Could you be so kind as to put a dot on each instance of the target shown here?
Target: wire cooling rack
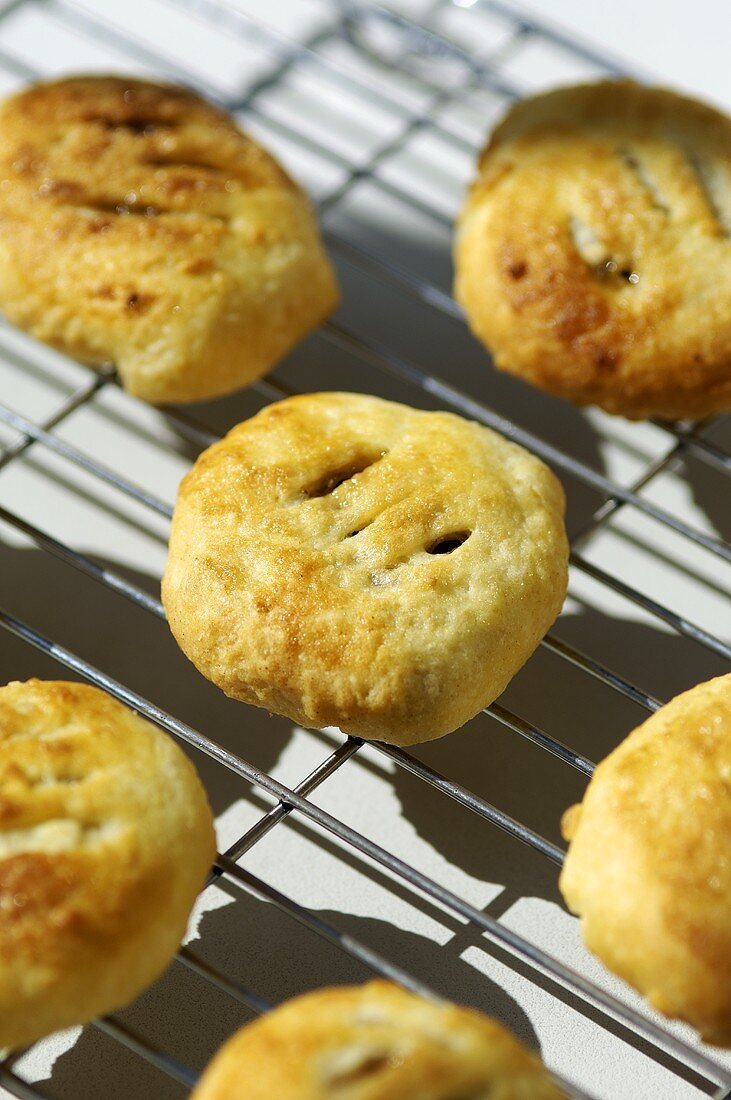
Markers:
(379, 110)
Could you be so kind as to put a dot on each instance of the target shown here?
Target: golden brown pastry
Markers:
(348, 561)
(593, 254)
(138, 225)
(374, 1042)
(649, 865)
(105, 840)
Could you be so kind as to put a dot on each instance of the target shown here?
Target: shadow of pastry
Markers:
(523, 780)
(274, 956)
(710, 485)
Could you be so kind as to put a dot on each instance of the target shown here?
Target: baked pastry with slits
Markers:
(593, 254)
(649, 864)
(106, 837)
(344, 560)
(374, 1042)
(139, 226)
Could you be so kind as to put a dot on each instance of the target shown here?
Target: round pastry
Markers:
(105, 840)
(649, 865)
(139, 226)
(593, 255)
(344, 560)
(374, 1042)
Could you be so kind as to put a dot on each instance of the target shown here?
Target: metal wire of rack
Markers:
(415, 38)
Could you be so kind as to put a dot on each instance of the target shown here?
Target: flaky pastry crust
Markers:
(649, 864)
(593, 255)
(139, 226)
(344, 560)
(106, 837)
